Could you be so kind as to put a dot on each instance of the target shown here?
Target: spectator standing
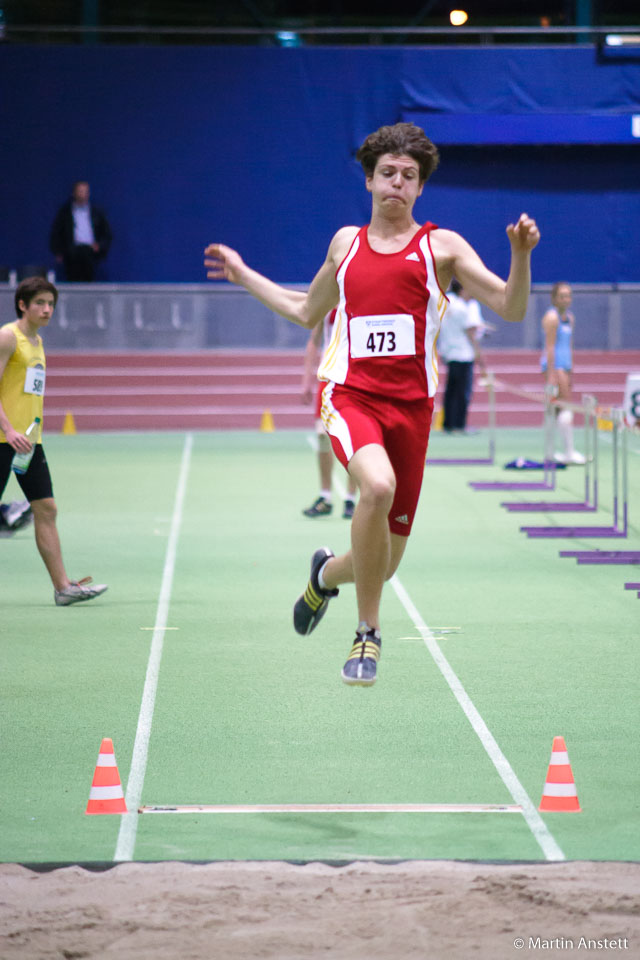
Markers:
(459, 346)
(80, 235)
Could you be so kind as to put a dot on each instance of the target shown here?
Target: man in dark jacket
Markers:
(80, 235)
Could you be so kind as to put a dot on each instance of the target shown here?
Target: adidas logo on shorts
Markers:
(403, 519)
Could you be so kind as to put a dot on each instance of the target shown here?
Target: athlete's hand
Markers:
(18, 441)
(524, 235)
(223, 263)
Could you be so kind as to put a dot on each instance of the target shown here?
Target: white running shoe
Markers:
(577, 458)
(77, 591)
(17, 513)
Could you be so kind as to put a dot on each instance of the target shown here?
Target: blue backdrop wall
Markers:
(255, 147)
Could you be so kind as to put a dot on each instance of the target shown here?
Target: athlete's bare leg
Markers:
(375, 552)
(325, 468)
(48, 541)
(563, 379)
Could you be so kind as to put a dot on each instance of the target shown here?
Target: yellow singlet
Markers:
(22, 383)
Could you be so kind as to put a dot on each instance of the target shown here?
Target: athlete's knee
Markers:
(378, 492)
(44, 511)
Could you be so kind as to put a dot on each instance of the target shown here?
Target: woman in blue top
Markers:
(557, 327)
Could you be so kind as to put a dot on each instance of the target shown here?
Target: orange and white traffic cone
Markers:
(559, 794)
(106, 794)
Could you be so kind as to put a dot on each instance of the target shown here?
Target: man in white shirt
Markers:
(80, 235)
(458, 345)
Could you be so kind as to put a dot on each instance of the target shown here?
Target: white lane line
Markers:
(129, 821)
(520, 796)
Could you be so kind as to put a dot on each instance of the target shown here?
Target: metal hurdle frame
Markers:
(590, 502)
(549, 477)
(619, 444)
(489, 383)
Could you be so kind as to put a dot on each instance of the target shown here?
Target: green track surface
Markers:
(247, 712)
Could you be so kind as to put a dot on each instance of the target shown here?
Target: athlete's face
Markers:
(562, 298)
(395, 184)
(39, 311)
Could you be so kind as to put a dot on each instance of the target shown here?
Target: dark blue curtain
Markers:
(255, 147)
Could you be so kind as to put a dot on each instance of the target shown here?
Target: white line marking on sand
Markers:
(334, 808)
(129, 821)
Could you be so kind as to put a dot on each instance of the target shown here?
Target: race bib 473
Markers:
(384, 335)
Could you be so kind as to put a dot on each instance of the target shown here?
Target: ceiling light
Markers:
(458, 17)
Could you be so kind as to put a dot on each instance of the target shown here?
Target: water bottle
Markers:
(21, 461)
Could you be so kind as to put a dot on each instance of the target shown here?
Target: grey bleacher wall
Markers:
(185, 317)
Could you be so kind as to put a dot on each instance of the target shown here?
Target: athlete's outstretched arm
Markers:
(509, 299)
(305, 309)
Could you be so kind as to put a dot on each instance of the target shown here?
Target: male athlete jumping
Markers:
(387, 280)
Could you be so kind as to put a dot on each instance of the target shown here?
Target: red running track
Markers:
(220, 390)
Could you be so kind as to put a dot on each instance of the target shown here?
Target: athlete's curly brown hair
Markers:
(399, 139)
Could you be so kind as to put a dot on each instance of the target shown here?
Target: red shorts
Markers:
(321, 387)
(354, 419)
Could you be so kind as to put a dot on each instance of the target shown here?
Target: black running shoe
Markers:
(321, 508)
(349, 507)
(310, 608)
(362, 662)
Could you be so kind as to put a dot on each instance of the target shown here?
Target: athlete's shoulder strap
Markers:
(356, 240)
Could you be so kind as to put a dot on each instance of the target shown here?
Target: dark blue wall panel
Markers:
(254, 147)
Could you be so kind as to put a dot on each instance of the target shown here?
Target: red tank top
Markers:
(387, 320)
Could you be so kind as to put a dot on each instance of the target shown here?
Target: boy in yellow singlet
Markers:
(22, 384)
